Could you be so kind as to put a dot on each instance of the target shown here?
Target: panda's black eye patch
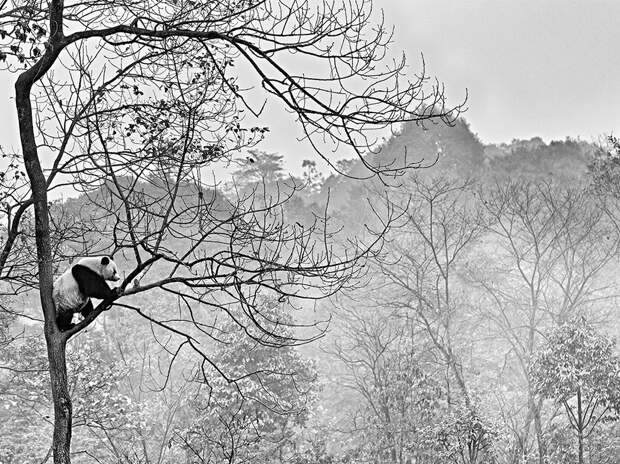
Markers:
(105, 261)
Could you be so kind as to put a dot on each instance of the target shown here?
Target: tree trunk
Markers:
(56, 341)
(580, 425)
(533, 405)
(63, 409)
(542, 447)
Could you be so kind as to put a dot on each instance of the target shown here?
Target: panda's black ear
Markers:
(105, 261)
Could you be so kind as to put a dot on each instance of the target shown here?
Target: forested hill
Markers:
(563, 160)
(457, 150)
(429, 322)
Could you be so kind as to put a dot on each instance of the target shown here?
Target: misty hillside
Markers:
(432, 327)
(458, 151)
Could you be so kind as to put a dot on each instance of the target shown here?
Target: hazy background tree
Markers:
(422, 264)
(549, 248)
(578, 369)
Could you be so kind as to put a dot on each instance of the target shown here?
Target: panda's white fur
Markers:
(66, 294)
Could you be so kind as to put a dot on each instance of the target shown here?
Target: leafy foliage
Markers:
(99, 401)
(578, 369)
(464, 436)
(605, 167)
(578, 361)
(256, 418)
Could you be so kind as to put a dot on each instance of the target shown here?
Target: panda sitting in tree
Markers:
(81, 281)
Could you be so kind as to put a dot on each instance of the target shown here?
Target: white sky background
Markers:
(548, 68)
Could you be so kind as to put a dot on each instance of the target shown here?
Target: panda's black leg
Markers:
(63, 320)
(87, 308)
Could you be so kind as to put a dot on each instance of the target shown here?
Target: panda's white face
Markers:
(109, 270)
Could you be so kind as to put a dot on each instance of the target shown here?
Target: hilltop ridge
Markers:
(457, 150)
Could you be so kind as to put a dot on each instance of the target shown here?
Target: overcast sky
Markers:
(538, 67)
(548, 68)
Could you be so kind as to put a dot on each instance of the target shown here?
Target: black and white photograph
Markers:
(310, 232)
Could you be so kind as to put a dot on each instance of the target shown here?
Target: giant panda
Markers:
(81, 281)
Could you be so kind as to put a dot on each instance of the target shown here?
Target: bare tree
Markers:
(406, 336)
(423, 264)
(394, 393)
(551, 245)
(110, 95)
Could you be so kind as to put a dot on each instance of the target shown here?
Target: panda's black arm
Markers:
(90, 283)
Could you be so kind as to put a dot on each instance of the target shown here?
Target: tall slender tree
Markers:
(577, 368)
